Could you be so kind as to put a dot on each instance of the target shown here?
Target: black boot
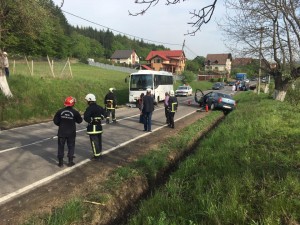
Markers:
(60, 162)
(71, 163)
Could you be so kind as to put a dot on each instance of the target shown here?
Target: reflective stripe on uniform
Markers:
(109, 104)
(94, 131)
(173, 106)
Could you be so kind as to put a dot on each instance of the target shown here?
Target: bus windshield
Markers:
(141, 81)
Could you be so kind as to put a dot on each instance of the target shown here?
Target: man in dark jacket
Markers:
(148, 108)
(66, 119)
(93, 116)
(110, 102)
(172, 108)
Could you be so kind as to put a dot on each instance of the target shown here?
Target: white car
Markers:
(185, 90)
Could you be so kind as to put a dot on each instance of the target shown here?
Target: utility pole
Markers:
(261, 30)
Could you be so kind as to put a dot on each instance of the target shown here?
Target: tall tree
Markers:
(269, 29)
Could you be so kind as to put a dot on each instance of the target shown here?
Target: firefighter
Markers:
(172, 108)
(93, 116)
(66, 119)
(110, 102)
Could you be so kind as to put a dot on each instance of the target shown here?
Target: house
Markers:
(241, 62)
(170, 60)
(128, 57)
(219, 63)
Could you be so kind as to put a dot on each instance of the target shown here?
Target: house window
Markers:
(157, 60)
(216, 68)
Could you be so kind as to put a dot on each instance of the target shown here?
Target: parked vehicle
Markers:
(184, 90)
(216, 101)
(159, 82)
(241, 76)
(218, 86)
(231, 83)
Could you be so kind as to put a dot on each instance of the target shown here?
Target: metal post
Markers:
(260, 46)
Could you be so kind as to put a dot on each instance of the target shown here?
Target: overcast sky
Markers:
(166, 25)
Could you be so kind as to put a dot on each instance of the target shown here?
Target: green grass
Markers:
(245, 172)
(39, 96)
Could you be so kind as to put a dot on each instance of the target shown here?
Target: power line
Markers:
(164, 43)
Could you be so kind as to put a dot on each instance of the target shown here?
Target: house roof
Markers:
(169, 54)
(122, 54)
(220, 59)
(241, 61)
(146, 67)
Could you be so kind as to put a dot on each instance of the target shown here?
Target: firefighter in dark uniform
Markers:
(110, 102)
(66, 119)
(93, 116)
(172, 107)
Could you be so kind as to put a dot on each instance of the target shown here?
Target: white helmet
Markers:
(90, 97)
(149, 90)
(172, 93)
(111, 89)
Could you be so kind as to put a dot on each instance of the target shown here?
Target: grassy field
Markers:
(244, 172)
(37, 97)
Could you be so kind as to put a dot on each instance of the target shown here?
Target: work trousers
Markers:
(61, 144)
(113, 114)
(96, 143)
(167, 114)
(147, 121)
(171, 119)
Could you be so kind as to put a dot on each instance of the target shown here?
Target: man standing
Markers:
(110, 102)
(148, 108)
(6, 64)
(66, 119)
(93, 116)
(172, 106)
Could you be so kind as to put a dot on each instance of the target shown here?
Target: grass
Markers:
(37, 97)
(245, 172)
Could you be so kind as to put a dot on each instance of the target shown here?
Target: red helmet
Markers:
(70, 101)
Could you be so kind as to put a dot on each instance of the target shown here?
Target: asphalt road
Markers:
(28, 154)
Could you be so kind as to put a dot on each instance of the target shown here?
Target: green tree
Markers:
(188, 77)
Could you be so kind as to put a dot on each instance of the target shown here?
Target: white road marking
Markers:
(69, 169)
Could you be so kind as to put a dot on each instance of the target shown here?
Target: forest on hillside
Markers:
(37, 28)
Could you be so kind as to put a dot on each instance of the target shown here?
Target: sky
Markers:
(160, 25)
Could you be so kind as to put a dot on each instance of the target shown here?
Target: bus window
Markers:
(141, 82)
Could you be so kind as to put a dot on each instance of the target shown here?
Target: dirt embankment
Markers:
(90, 178)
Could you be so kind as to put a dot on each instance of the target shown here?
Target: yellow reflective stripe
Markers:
(97, 118)
(111, 103)
(173, 106)
(94, 148)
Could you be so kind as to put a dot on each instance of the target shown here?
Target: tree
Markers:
(269, 29)
(188, 77)
(200, 17)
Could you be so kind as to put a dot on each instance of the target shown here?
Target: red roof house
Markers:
(170, 60)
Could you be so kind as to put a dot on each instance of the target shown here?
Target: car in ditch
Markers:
(184, 90)
(217, 101)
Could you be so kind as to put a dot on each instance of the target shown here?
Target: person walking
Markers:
(5, 64)
(110, 102)
(148, 108)
(172, 106)
(66, 119)
(140, 106)
(166, 107)
(93, 116)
